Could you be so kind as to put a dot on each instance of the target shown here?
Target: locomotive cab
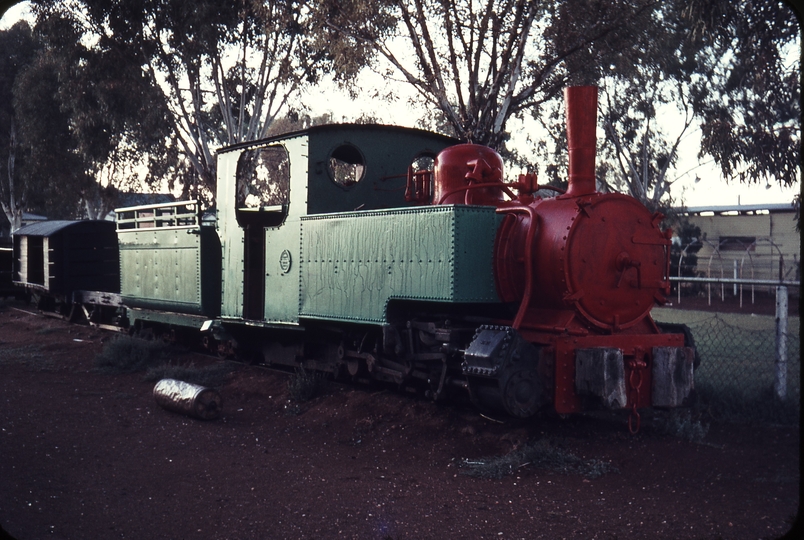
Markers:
(267, 188)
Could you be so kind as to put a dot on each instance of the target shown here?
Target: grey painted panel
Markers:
(161, 267)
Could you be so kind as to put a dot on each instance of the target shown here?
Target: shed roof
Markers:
(49, 228)
(740, 208)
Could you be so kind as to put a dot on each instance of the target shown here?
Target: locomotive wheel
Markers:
(521, 393)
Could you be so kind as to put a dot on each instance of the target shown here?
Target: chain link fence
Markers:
(741, 376)
(738, 378)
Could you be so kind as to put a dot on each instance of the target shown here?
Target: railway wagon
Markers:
(394, 254)
(56, 260)
(7, 287)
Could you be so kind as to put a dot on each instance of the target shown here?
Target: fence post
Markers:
(780, 381)
(735, 277)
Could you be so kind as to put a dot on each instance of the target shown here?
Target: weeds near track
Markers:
(680, 423)
(732, 406)
(542, 454)
(48, 330)
(125, 354)
(305, 385)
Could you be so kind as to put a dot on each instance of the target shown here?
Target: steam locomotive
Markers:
(398, 255)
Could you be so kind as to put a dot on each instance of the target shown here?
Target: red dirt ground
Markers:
(85, 455)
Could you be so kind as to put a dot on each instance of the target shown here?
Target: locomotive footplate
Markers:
(503, 372)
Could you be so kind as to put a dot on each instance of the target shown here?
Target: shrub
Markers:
(679, 423)
(125, 354)
(734, 405)
(541, 454)
(305, 385)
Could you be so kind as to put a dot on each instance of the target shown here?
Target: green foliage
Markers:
(750, 103)
(542, 454)
(727, 71)
(175, 83)
(305, 385)
(347, 31)
(17, 48)
(126, 354)
(73, 115)
(213, 375)
(36, 145)
(479, 65)
(153, 78)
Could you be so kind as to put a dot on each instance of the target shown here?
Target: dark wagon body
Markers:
(59, 257)
(7, 287)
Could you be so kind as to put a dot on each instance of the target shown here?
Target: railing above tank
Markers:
(182, 214)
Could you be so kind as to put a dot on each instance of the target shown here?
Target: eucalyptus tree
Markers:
(115, 116)
(227, 70)
(480, 63)
(44, 169)
(750, 104)
(721, 71)
(646, 109)
(17, 45)
(74, 114)
(223, 71)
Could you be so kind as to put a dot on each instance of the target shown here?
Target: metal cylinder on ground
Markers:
(187, 398)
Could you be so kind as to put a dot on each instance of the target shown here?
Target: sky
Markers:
(710, 189)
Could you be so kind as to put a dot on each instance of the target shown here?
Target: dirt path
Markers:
(88, 455)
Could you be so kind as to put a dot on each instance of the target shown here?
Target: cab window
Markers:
(263, 185)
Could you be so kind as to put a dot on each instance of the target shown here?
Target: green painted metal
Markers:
(386, 151)
(281, 288)
(282, 246)
(172, 269)
(231, 236)
(354, 263)
(282, 272)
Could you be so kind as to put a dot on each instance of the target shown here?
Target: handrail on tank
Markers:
(174, 215)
